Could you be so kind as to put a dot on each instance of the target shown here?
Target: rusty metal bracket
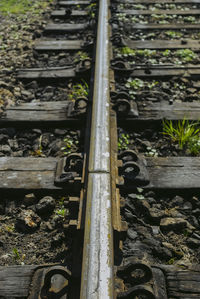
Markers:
(119, 64)
(83, 67)
(133, 168)
(140, 290)
(137, 274)
(69, 170)
(79, 107)
(88, 44)
(117, 40)
(131, 273)
(68, 12)
(50, 283)
(124, 105)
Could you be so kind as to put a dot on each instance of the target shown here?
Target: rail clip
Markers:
(50, 283)
(139, 276)
(69, 170)
(133, 168)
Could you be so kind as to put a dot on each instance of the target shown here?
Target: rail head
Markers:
(97, 267)
(97, 271)
(100, 129)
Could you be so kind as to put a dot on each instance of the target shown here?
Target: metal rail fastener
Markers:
(97, 269)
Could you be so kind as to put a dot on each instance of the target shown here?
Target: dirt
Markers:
(39, 143)
(152, 143)
(174, 89)
(156, 19)
(18, 36)
(158, 57)
(18, 33)
(33, 227)
(33, 230)
(162, 229)
(124, 24)
(34, 91)
(159, 34)
(156, 6)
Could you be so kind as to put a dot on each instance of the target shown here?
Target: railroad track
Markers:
(104, 203)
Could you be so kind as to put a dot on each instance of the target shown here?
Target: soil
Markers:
(34, 91)
(39, 143)
(33, 230)
(124, 24)
(72, 20)
(34, 227)
(156, 6)
(52, 59)
(73, 7)
(162, 229)
(158, 34)
(152, 143)
(151, 57)
(174, 89)
(156, 19)
(18, 34)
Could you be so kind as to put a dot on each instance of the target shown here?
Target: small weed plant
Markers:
(79, 90)
(10, 228)
(173, 34)
(81, 56)
(194, 145)
(61, 211)
(126, 51)
(186, 55)
(151, 152)
(70, 146)
(166, 53)
(16, 255)
(190, 19)
(38, 152)
(136, 85)
(91, 6)
(139, 6)
(91, 10)
(185, 133)
(123, 142)
(171, 261)
(181, 56)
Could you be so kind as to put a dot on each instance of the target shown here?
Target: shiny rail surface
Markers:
(97, 269)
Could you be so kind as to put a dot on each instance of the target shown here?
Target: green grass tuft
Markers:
(184, 132)
(21, 6)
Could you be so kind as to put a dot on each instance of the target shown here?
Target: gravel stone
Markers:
(5, 148)
(173, 224)
(46, 205)
(30, 199)
(27, 221)
(193, 243)
(132, 234)
(177, 201)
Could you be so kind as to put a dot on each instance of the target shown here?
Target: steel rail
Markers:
(97, 267)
